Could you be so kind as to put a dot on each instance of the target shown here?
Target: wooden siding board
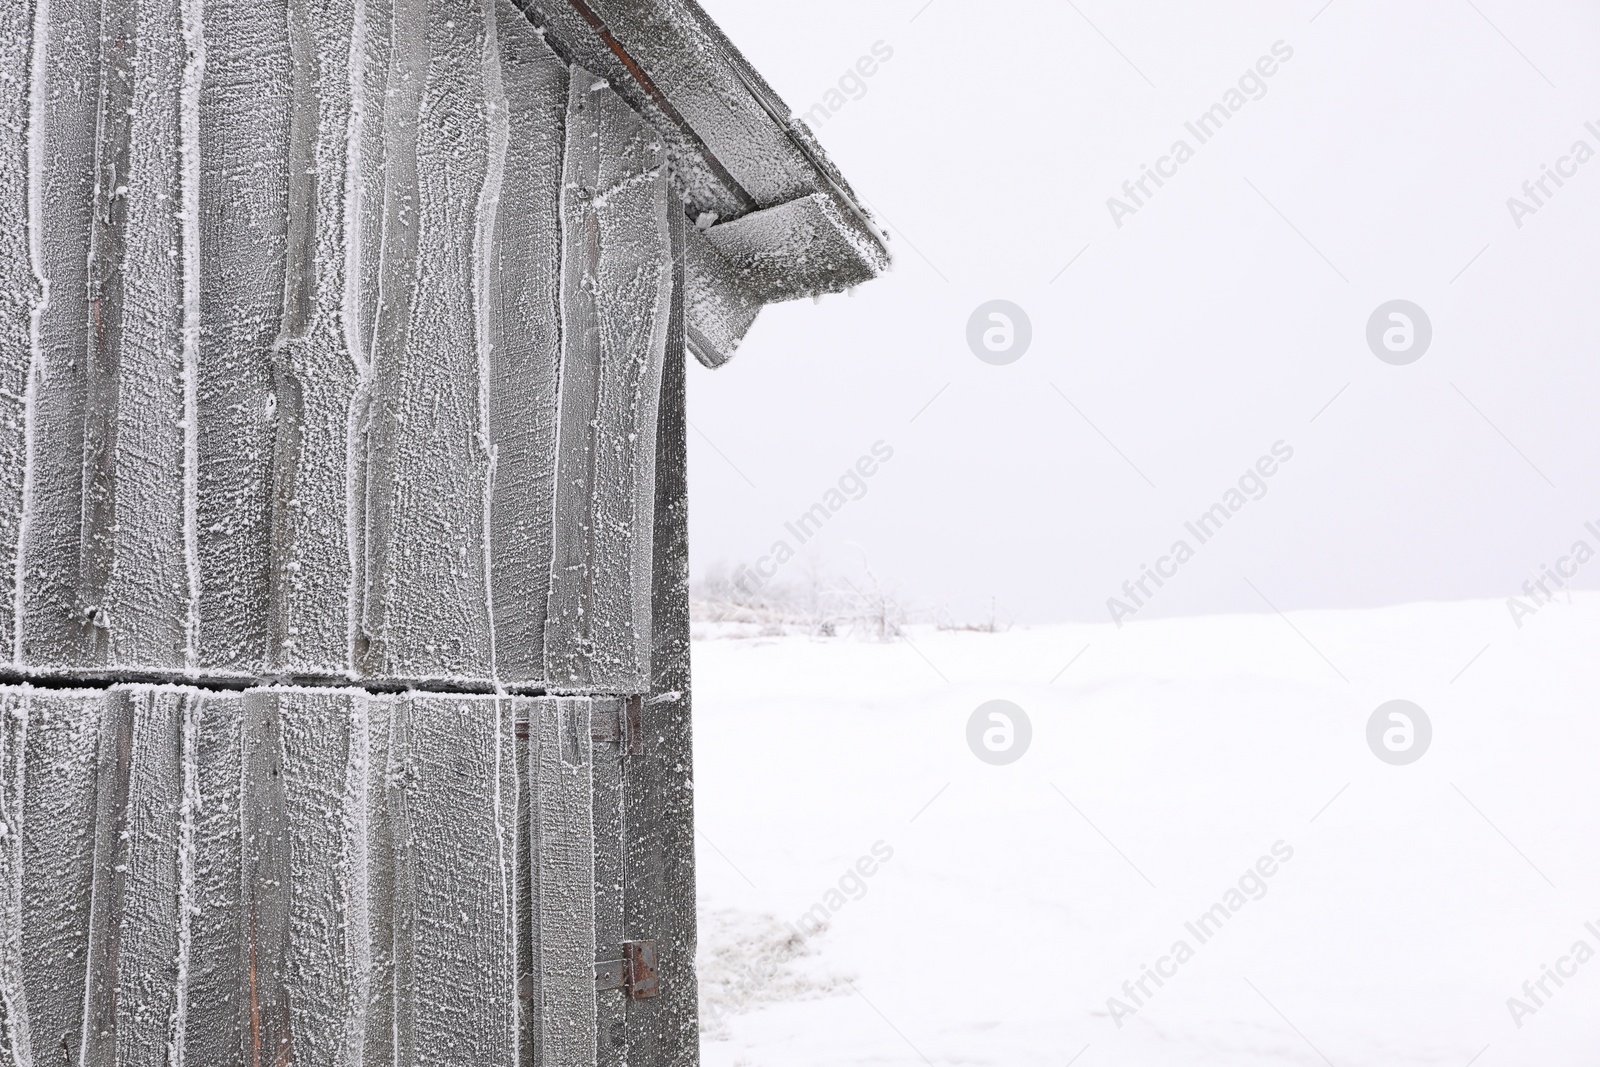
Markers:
(524, 320)
(426, 589)
(137, 551)
(16, 1043)
(318, 365)
(58, 843)
(454, 926)
(610, 874)
(20, 292)
(529, 1021)
(56, 628)
(563, 866)
(138, 942)
(243, 170)
(267, 905)
(322, 735)
(659, 795)
(377, 429)
(385, 765)
(218, 1016)
(616, 277)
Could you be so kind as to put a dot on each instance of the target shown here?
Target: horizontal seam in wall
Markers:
(238, 684)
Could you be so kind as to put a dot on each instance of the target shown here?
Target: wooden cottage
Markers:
(342, 517)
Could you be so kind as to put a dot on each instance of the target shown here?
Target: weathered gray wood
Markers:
(138, 570)
(323, 362)
(244, 109)
(395, 282)
(708, 185)
(357, 897)
(58, 627)
(524, 713)
(386, 837)
(322, 737)
(140, 911)
(218, 1016)
(279, 947)
(609, 877)
(455, 988)
(718, 308)
(58, 844)
(734, 146)
(522, 295)
(16, 1041)
(267, 902)
(659, 807)
(616, 273)
(563, 863)
(425, 613)
(20, 293)
(793, 249)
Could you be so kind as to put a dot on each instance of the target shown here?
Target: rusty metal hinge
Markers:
(637, 974)
(627, 723)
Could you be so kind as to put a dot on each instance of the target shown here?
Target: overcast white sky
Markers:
(1221, 318)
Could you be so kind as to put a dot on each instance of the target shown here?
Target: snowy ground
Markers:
(1166, 761)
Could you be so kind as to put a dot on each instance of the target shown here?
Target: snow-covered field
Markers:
(1166, 762)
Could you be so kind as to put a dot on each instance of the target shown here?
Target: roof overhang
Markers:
(775, 220)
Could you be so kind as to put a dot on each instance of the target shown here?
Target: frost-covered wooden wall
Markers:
(329, 876)
(332, 346)
(341, 509)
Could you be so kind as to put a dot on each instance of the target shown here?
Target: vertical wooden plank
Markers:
(64, 729)
(267, 900)
(108, 904)
(425, 612)
(135, 578)
(322, 734)
(524, 324)
(385, 841)
(454, 927)
(244, 110)
(616, 282)
(529, 1024)
(305, 788)
(16, 1042)
(379, 231)
(609, 877)
(403, 888)
(562, 857)
(141, 907)
(59, 628)
(374, 67)
(322, 358)
(20, 292)
(357, 897)
(217, 1016)
(664, 1030)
